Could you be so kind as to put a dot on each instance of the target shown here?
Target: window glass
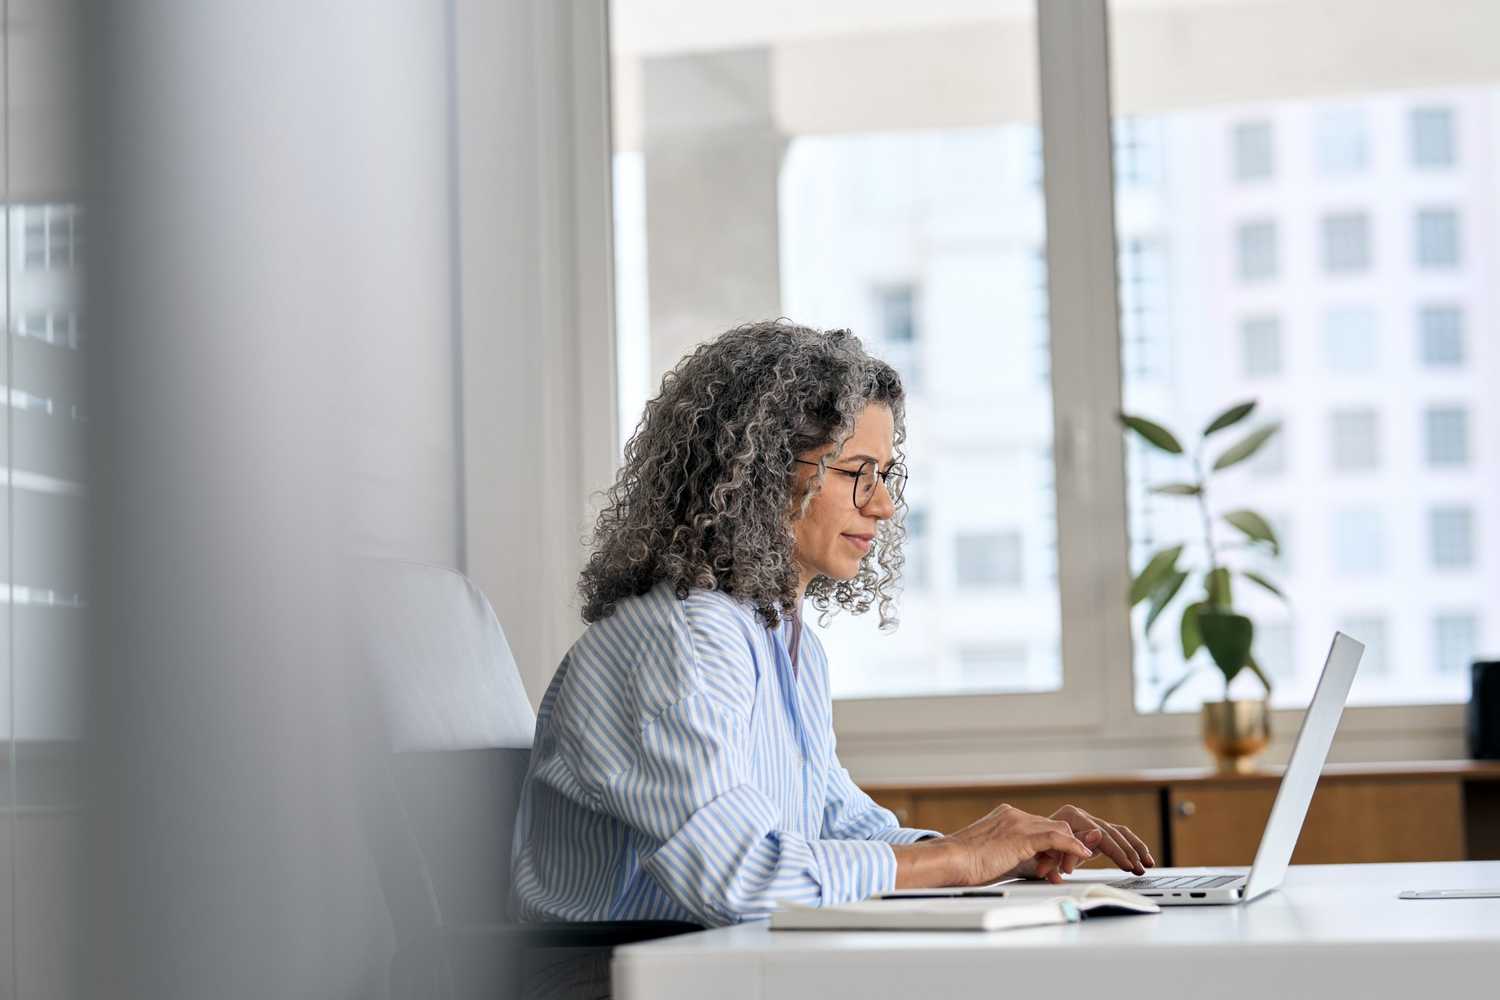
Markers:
(1432, 143)
(1260, 344)
(1437, 238)
(1344, 186)
(1346, 242)
(1349, 342)
(1356, 440)
(1441, 329)
(767, 165)
(1256, 242)
(1342, 140)
(1447, 436)
(1452, 535)
(1252, 150)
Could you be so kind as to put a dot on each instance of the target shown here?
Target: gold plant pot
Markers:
(1235, 732)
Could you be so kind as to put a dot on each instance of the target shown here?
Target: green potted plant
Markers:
(1234, 730)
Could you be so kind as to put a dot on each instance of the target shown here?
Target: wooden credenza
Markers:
(1433, 811)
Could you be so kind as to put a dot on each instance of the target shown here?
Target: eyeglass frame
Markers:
(874, 467)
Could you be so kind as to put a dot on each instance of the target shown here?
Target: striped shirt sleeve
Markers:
(850, 814)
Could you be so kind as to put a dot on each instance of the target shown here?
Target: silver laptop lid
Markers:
(1306, 764)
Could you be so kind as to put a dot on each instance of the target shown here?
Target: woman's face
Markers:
(834, 535)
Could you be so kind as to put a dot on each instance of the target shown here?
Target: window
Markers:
(995, 667)
(1349, 339)
(47, 237)
(917, 542)
(1144, 313)
(1356, 440)
(988, 560)
(1342, 141)
(1447, 434)
(1137, 153)
(1370, 630)
(1346, 242)
(1358, 542)
(1432, 143)
(1455, 638)
(898, 319)
(1441, 329)
(1256, 244)
(1273, 649)
(1252, 150)
(1437, 238)
(1451, 532)
(1260, 346)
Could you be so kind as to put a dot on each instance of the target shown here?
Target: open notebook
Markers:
(999, 907)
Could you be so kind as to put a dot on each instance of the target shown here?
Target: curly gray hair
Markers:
(705, 493)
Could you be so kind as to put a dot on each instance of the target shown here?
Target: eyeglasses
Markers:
(864, 480)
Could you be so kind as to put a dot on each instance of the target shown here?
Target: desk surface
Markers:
(1329, 928)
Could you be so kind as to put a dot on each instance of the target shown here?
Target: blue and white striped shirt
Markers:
(684, 769)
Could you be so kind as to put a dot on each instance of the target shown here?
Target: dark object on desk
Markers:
(442, 806)
(1484, 711)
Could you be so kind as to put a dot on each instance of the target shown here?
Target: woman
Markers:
(684, 764)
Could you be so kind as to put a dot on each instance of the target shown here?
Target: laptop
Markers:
(1190, 887)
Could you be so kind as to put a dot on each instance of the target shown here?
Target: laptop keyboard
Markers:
(1177, 882)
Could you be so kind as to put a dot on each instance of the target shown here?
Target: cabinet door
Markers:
(1138, 809)
(1349, 821)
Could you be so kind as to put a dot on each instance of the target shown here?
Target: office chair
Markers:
(442, 806)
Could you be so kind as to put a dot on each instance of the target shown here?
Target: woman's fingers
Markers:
(1120, 850)
(1140, 845)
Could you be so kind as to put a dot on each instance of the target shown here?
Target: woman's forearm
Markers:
(928, 864)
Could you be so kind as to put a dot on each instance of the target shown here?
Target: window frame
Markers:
(1094, 713)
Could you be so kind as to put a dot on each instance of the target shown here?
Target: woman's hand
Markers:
(989, 849)
(1115, 840)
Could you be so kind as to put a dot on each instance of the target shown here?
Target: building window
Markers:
(988, 560)
(1349, 343)
(1358, 542)
(1370, 630)
(1260, 346)
(1255, 244)
(1432, 140)
(1451, 533)
(1146, 339)
(1346, 242)
(993, 666)
(1342, 141)
(1454, 638)
(915, 571)
(1274, 649)
(1441, 329)
(898, 316)
(1138, 152)
(1447, 434)
(48, 237)
(1437, 238)
(1356, 440)
(1252, 150)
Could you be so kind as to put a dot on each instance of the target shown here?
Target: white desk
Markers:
(1331, 931)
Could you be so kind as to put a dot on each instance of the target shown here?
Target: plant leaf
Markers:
(1192, 638)
(1162, 596)
(1161, 564)
(1231, 416)
(1255, 527)
(1216, 582)
(1265, 679)
(1178, 489)
(1228, 637)
(1257, 578)
(1246, 447)
(1166, 695)
(1155, 433)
